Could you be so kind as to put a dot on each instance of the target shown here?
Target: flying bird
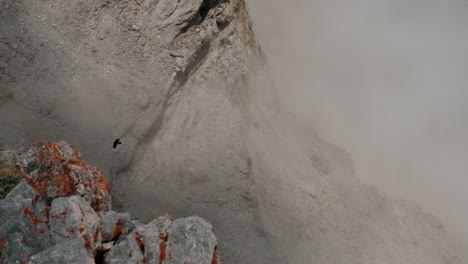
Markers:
(116, 142)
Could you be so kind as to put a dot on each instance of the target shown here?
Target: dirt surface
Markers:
(182, 84)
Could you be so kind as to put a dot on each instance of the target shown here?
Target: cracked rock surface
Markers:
(76, 227)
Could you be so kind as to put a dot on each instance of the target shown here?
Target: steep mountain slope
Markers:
(182, 84)
(316, 209)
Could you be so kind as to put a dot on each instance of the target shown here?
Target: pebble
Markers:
(136, 27)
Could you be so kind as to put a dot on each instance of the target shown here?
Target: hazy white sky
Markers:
(387, 80)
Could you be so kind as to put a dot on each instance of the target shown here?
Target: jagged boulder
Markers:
(72, 217)
(115, 224)
(60, 214)
(130, 250)
(11, 206)
(57, 170)
(24, 227)
(155, 239)
(180, 238)
(73, 251)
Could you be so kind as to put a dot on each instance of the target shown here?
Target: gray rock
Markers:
(20, 192)
(57, 170)
(115, 224)
(154, 235)
(35, 218)
(69, 230)
(176, 15)
(127, 251)
(24, 224)
(161, 223)
(190, 240)
(72, 251)
(11, 234)
(73, 217)
(12, 204)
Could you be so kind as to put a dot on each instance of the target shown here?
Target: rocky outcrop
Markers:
(60, 213)
(57, 170)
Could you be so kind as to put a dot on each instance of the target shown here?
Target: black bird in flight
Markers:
(116, 142)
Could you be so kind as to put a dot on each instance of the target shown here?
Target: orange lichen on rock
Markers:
(58, 171)
(117, 229)
(162, 246)
(215, 259)
(96, 235)
(62, 199)
(139, 242)
(141, 245)
(36, 222)
(61, 215)
(87, 243)
(162, 250)
(27, 211)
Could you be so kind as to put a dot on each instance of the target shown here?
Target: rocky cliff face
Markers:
(183, 85)
(60, 213)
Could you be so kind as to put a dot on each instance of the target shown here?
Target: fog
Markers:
(385, 79)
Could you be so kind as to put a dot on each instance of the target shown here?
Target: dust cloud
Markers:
(387, 80)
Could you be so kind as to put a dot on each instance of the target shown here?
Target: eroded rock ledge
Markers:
(60, 212)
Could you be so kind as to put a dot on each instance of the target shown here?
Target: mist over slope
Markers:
(386, 80)
(185, 87)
